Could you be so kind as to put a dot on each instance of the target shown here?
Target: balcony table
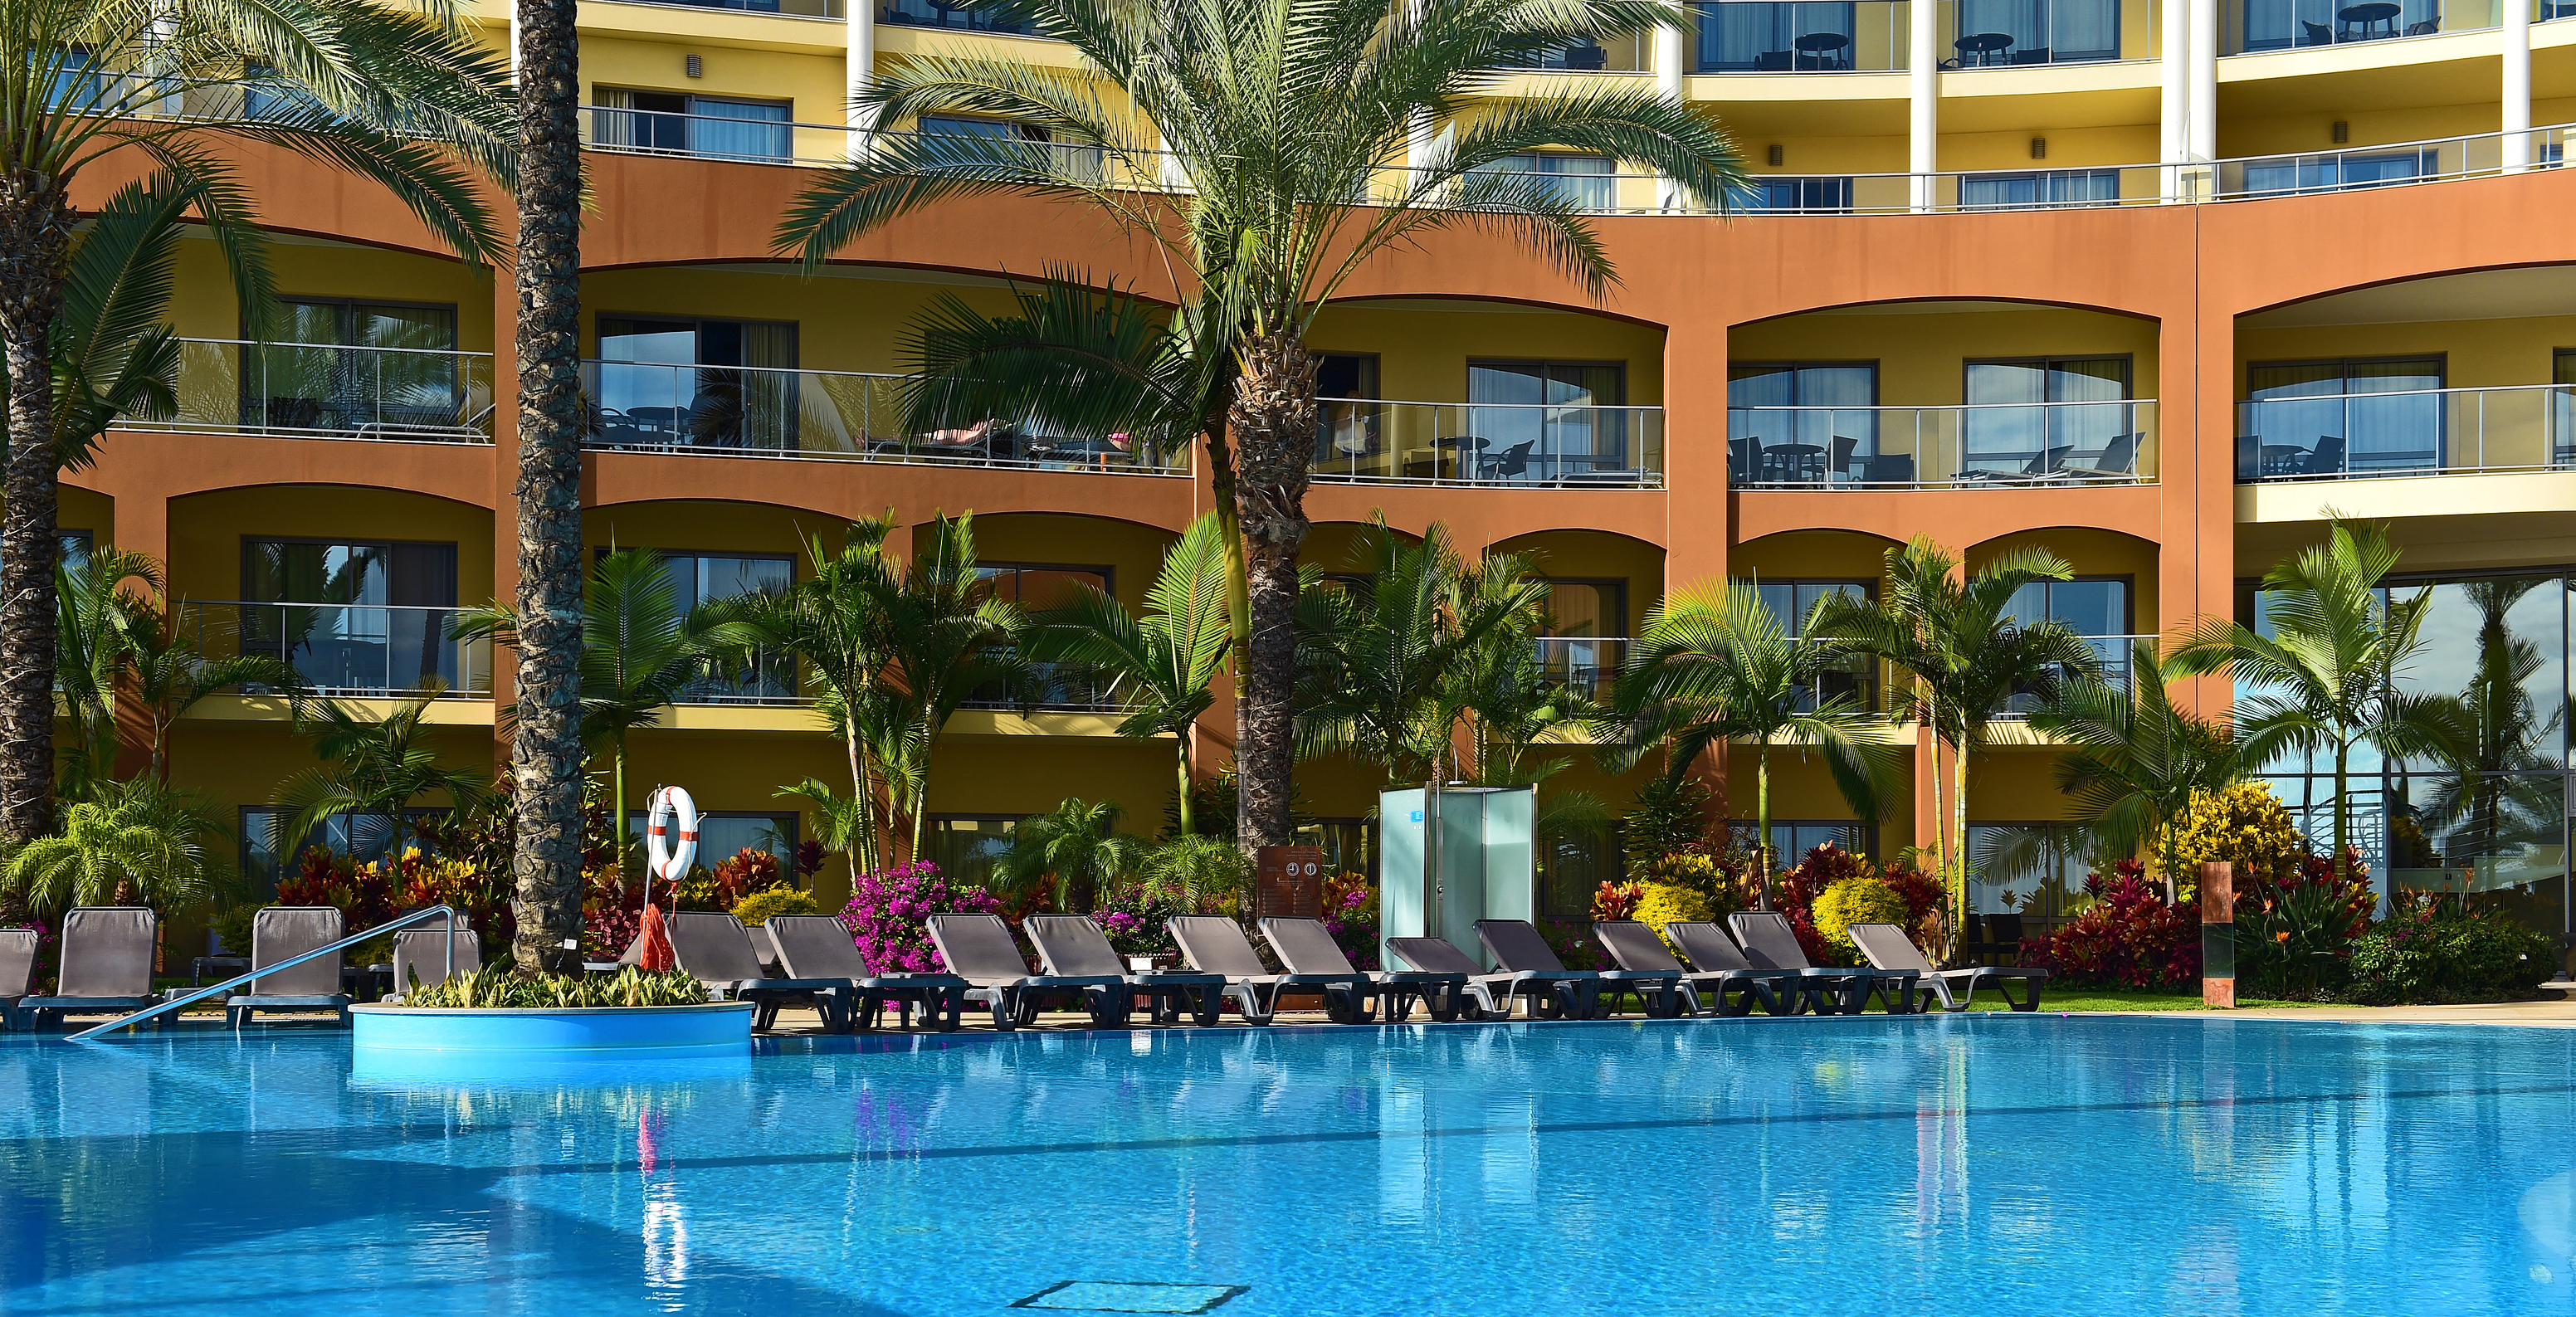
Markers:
(1792, 464)
(1458, 446)
(2368, 15)
(2283, 459)
(1822, 52)
(1985, 46)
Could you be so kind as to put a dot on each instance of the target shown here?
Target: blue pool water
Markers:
(1958, 1164)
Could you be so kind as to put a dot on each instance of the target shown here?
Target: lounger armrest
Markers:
(1074, 981)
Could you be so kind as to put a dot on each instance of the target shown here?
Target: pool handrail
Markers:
(419, 916)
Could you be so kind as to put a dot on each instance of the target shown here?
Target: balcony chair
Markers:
(2034, 55)
(2317, 34)
(2327, 459)
(1889, 469)
(2118, 460)
(1513, 461)
(1587, 58)
(2424, 29)
(1774, 61)
(1838, 458)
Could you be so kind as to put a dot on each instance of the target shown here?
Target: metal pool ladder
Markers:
(415, 917)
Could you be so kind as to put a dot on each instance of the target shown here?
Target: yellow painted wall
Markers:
(1802, 155)
(708, 527)
(1922, 357)
(813, 84)
(1596, 555)
(207, 530)
(841, 323)
(1423, 348)
(1133, 552)
(2482, 353)
(2313, 130)
(88, 510)
(1829, 555)
(2090, 552)
(205, 306)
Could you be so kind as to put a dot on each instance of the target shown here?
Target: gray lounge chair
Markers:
(17, 971)
(716, 950)
(1214, 944)
(1566, 993)
(1770, 943)
(419, 961)
(979, 949)
(819, 947)
(281, 933)
(1074, 946)
(1636, 947)
(1352, 996)
(1887, 947)
(1517, 945)
(1711, 951)
(107, 966)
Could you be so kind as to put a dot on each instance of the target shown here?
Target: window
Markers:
(1583, 647)
(964, 846)
(355, 367)
(678, 382)
(1623, 54)
(2283, 24)
(1054, 684)
(1804, 196)
(2565, 365)
(1584, 182)
(677, 123)
(1079, 161)
(361, 837)
(1039, 586)
(351, 617)
(1347, 435)
(1793, 423)
(2035, 870)
(2050, 417)
(706, 578)
(926, 13)
(2340, 172)
(1530, 421)
(1792, 602)
(1791, 839)
(2041, 31)
(723, 834)
(2343, 417)
(2095, 607)
(1779, 37)
(2037, 189)
(76, 85)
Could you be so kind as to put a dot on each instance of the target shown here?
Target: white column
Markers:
(2201, 140)
(1923, 82)
(2173, 54)
(2517, 85)
(860, 67)
(1672, 66)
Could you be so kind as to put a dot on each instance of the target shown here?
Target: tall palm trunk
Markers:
(545, 756)
(1273, 419)
(1958, 829)
(35, 244)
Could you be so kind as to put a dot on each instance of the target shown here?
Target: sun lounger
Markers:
(1072, 946)
(1214, 944)
(979, 949)
(1636, 947)
(1712, 951)
(281, 933)
(819, 947)
(17, 971)
(1888, 948)
(1566, 993)
(420, 961)
(1352, 996)
(716, 950)
(1517, 945)
(1770, 943)
(107, 966)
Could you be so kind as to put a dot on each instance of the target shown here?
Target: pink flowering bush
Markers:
(1350, 915)
(888, 916)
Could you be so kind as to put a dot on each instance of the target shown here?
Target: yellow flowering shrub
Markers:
(759, 906)
(2244, 825)
(1671, 903)
(1856, 901)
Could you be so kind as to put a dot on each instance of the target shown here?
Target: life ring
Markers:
(671, 833)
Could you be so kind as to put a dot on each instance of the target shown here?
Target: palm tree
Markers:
(1713, 665)
(1284, 125)
(133, 841)
(639, 653)
(1966, 654)
(1077, 848)
(1168, 658)
(2134, 760)
(168, 673)
(2498, 790)
(2329, 676)
(96, 626)
(831, 623)
(405, 97)
(370, 766)
(950, 637)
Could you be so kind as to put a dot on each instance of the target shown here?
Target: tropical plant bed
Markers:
(497, 1009)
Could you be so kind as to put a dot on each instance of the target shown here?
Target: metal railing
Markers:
(1800, 36)
(765, 676)
(2114, 659)
(1061, 687)
(1589, 665)
(1369, 441)
(786, 8)
(2306, 24)
(2416, 432)
(2002, 446)
(391, 926)
(1628, 54)
(346, 649)
(2391, 164)
(234, 386)
(771, 412)
(935, 13)
(1976, 34)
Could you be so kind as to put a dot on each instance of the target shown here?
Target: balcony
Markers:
(955, 18)
(2413, 433)
(1366, 441)
(1628, 54)
(2114, 658)
(228, 386)
(1057, 687)
(2002, 446)
(2266, 25)
(1587, 665)
(346, 649)
(767, 412)
(791, 8)
(2024, 33)
(1800, 36)
(2389, 165)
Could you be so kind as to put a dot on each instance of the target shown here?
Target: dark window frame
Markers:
(348, 305)
(1874, 365)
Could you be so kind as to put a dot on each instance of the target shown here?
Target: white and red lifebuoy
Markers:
(671, 833)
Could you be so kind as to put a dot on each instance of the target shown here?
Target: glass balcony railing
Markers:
(761, 411)
(346, 649)
(1800, 36)
(764, 676)
(794, 8)
(2413, 433)
(1587, 665)
(1979, 34)
(1628, 54)
(958, 18)
(2261, 25)
(2357, 167)
(2004, 446)
(1057, 687)
(228, 386)
(2115, 664)
(1372, 442)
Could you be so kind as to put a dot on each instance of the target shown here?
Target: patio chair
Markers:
(716, 951)
(107, 966)
(1351, 995)
(818, 947)
(1567, 993)
(1214, 944)
(979, 949)
(283, 932)
(2316, 34)
(1516, 945)
(2327, 458)
(17, 971)
(1636, 947)
(418, 959)
(1072, 945)
(2118, 460)
(1887, 947)
(1770, 943)
(1710, 951)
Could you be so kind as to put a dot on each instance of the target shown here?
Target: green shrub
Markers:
(501, 987)
(2437, 954)
(232, 924)
(1855, 901)
(759, 906)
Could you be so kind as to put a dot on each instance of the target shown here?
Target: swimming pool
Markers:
(1965, 1163)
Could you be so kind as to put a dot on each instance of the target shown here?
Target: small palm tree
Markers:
(370, 766)
(1073, 852)
(131, 842)
(1965, 653)
(1714, 665)
(168, 673)
(1195, 873)
(2134, 759)
(2329, 676)
(98, 622)
(831, 623)
(1288, 128)
(1169, 658)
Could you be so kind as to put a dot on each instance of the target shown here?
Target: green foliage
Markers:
(1070, 855)
(2436, 953)
(2135, 761)
(1196, 875)
(500, 987)
(232, 925)
(369, 766)
(1671, 815)
(2243, 825)
(133, 842)
(1671, 903)
(758, 907)
(1856, 901)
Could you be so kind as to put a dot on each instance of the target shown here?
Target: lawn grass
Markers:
(2080, 1000)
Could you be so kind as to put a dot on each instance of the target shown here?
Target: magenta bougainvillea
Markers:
(888, 916)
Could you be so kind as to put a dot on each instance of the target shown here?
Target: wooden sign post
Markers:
(2218, 936)
(1291, 881)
